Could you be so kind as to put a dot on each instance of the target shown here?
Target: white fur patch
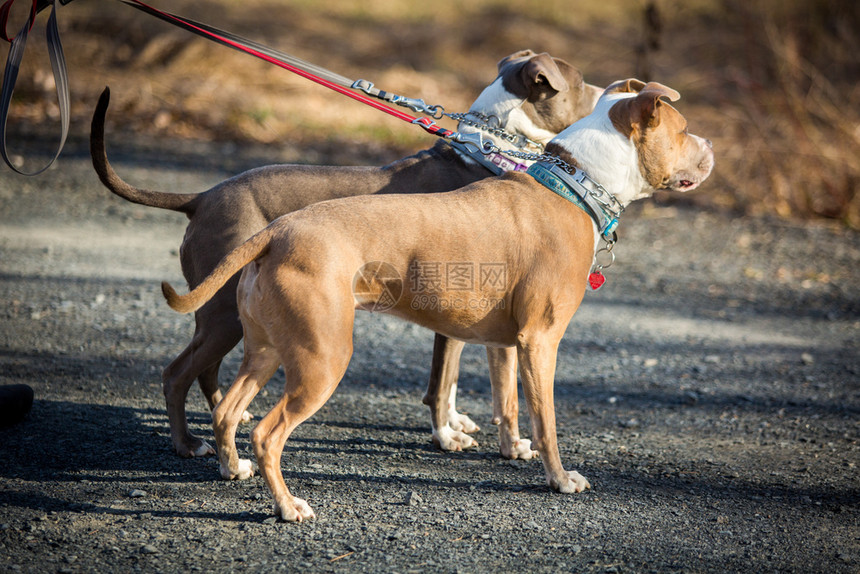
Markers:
(495, 100)
(450, 440)
(605, 153)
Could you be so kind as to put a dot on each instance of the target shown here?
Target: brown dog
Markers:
(535, 96)
(530, 251)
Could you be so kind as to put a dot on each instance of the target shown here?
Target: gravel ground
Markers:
(710, 392)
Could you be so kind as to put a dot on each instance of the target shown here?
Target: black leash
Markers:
(13, 64)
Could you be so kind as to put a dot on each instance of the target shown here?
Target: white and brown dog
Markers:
(529, 250)
(535, 96)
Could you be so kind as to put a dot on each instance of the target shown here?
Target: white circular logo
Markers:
(377, 286)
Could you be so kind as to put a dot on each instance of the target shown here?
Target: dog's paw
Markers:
(461, 423)
(246, 418)
(293, 509)
(203, 450)
(452, 441)
(569, 482)
(244, 471)
(193, 447)
(522, 450)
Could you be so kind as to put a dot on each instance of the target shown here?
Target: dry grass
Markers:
(773, 84)
(793, 108)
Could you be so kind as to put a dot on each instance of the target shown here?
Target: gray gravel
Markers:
(710, 392)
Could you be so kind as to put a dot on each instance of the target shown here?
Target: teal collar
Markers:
(583, 192)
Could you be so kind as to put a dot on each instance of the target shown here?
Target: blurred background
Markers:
(774, 84)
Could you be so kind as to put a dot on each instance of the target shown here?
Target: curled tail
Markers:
(183, 202)
(231, 264)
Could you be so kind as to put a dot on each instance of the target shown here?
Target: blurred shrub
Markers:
(794, 150)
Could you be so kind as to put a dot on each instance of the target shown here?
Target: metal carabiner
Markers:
(475, 140)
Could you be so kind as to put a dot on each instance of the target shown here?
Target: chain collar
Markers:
(492, 125)
(607, 202)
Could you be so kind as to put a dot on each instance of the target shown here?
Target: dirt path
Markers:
(710, 392)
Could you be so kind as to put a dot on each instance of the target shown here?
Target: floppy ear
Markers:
(628, 86)
(644, 109)
(542, 69)
(649, 102)
(659, 91)
(515, 56)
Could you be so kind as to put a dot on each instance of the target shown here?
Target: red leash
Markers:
(367, 95)
(238, 43)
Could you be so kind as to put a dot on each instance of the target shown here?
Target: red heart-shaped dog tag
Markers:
(596, 280)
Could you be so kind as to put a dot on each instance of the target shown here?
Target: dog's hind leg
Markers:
(214, 337)
(258, 365)
(313, 370)
(208, 381)
(503, 377)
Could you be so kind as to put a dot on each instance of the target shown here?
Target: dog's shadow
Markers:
(63, 440)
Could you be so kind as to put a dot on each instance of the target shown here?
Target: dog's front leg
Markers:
(537, 356)
(503, 378)
(449, 426)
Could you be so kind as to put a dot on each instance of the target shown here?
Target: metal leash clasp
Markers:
(475, 140)
(414, 104)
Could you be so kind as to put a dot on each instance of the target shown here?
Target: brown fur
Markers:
(297, 302)
(232, 211)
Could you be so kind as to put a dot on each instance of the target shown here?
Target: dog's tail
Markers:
(183, 202)
(231, 264)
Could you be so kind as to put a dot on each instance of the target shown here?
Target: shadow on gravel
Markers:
(762, 379)
(66, 369)
(42, 503)
(68, 441)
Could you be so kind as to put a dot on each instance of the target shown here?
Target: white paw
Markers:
(203, 450)
(451, 440)
(522, 450)
(294, 510)
(246, 418)
(244, 471)
(569, 483)
(461, 423)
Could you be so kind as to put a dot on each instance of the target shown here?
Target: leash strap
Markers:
(472, 144)
(304, 69)
(13, 64)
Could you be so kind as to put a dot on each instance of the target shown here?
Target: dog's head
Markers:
(669, 156)
(536, 95)
(635, 142)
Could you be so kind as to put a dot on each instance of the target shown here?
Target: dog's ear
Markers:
(655, 90)
(515, 56)
(628, 86)
(541, 69)
(644, 110)
(650, 101)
